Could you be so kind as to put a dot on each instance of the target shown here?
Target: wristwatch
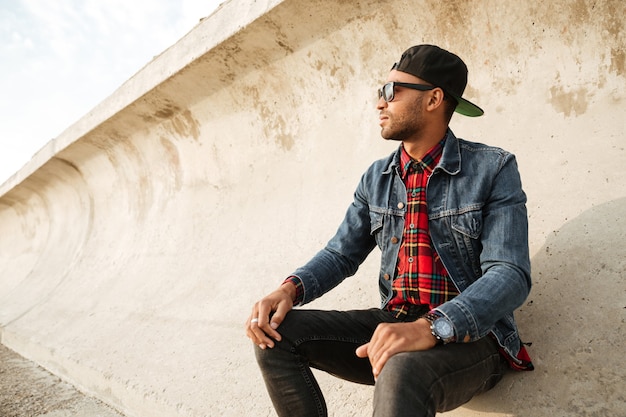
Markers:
(440, 327)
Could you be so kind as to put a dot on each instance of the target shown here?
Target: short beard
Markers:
(398, 136)
(406, 131)
(407, 126)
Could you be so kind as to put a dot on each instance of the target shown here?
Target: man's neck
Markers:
(418, 147)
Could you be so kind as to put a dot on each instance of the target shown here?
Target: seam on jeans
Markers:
(321, 408)
(298, 342)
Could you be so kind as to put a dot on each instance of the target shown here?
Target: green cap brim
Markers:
(467, 108)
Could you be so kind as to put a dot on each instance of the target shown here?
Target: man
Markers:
(449, 217)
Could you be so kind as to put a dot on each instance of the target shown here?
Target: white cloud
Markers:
(61, 58)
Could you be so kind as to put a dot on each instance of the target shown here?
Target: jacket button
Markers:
(386, 276)
(394, 240)
(400, 205)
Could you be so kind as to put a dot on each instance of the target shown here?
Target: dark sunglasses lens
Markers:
(388, 92)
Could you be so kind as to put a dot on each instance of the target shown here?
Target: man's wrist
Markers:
(440, 327)
(290, 289)
(293, 286)
(423, 327)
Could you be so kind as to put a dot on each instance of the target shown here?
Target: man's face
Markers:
(401, 118)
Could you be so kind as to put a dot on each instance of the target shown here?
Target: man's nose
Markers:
(381, 103)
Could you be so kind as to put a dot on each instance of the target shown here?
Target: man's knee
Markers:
(405, 386)
(410, 368)
(293, 330)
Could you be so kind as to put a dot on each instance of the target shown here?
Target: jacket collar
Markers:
(450, 160)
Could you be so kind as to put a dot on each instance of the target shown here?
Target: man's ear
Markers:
(435, 99)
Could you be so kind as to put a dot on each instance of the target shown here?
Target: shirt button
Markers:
(400, 205)
(394, 240)
(411, 259)
(412, 226)
(387, 277)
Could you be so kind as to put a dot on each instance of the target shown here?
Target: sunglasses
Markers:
(387, 91)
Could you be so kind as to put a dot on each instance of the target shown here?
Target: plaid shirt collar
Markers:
(427, 163)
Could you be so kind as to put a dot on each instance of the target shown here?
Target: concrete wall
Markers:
(132, 246)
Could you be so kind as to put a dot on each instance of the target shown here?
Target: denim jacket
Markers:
(478, 225)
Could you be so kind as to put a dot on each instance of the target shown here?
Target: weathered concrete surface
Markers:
(27, 390)
(132, 246)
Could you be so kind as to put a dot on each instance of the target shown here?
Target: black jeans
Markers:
(410, 384)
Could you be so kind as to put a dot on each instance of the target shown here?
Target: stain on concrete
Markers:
(274, 124)
(179, 121)
(572, 102)
(173, 162)
(452, 22)
(185, 125)
(618, 61)
(167, 111)
(282, 40)
(612, 20)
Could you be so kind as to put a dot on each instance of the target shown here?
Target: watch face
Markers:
(443, 328)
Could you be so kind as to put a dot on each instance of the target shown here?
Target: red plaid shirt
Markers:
(421, 279)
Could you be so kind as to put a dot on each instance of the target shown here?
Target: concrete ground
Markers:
(28, 390)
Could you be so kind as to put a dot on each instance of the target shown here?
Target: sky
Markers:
(60, 58)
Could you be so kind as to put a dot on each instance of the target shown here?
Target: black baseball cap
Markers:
(442, 69)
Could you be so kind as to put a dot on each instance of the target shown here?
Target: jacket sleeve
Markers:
(505, 280)
(344, 253)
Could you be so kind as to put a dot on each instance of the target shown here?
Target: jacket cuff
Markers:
(464, 331)
(297, 282)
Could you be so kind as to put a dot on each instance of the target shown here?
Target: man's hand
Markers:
(262, 324)
(392, 338)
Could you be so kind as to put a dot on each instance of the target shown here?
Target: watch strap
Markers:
(431, 317)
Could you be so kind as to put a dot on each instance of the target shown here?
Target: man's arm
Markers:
(340, 258)
(504, 259)
(344, 253)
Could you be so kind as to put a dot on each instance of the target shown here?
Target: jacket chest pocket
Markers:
(386, 226)
(469, 224)
(376, 222)
(468, 228)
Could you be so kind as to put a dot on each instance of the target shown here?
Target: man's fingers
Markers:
(377, 357)
(379, 363)
(380, 348)
(260, 338)
(263, 325)
(361, 351)
(282, 309)
(254, 327)
(266, 317)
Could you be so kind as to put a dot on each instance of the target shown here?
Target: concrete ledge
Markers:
(28, 390)
(133, 245)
